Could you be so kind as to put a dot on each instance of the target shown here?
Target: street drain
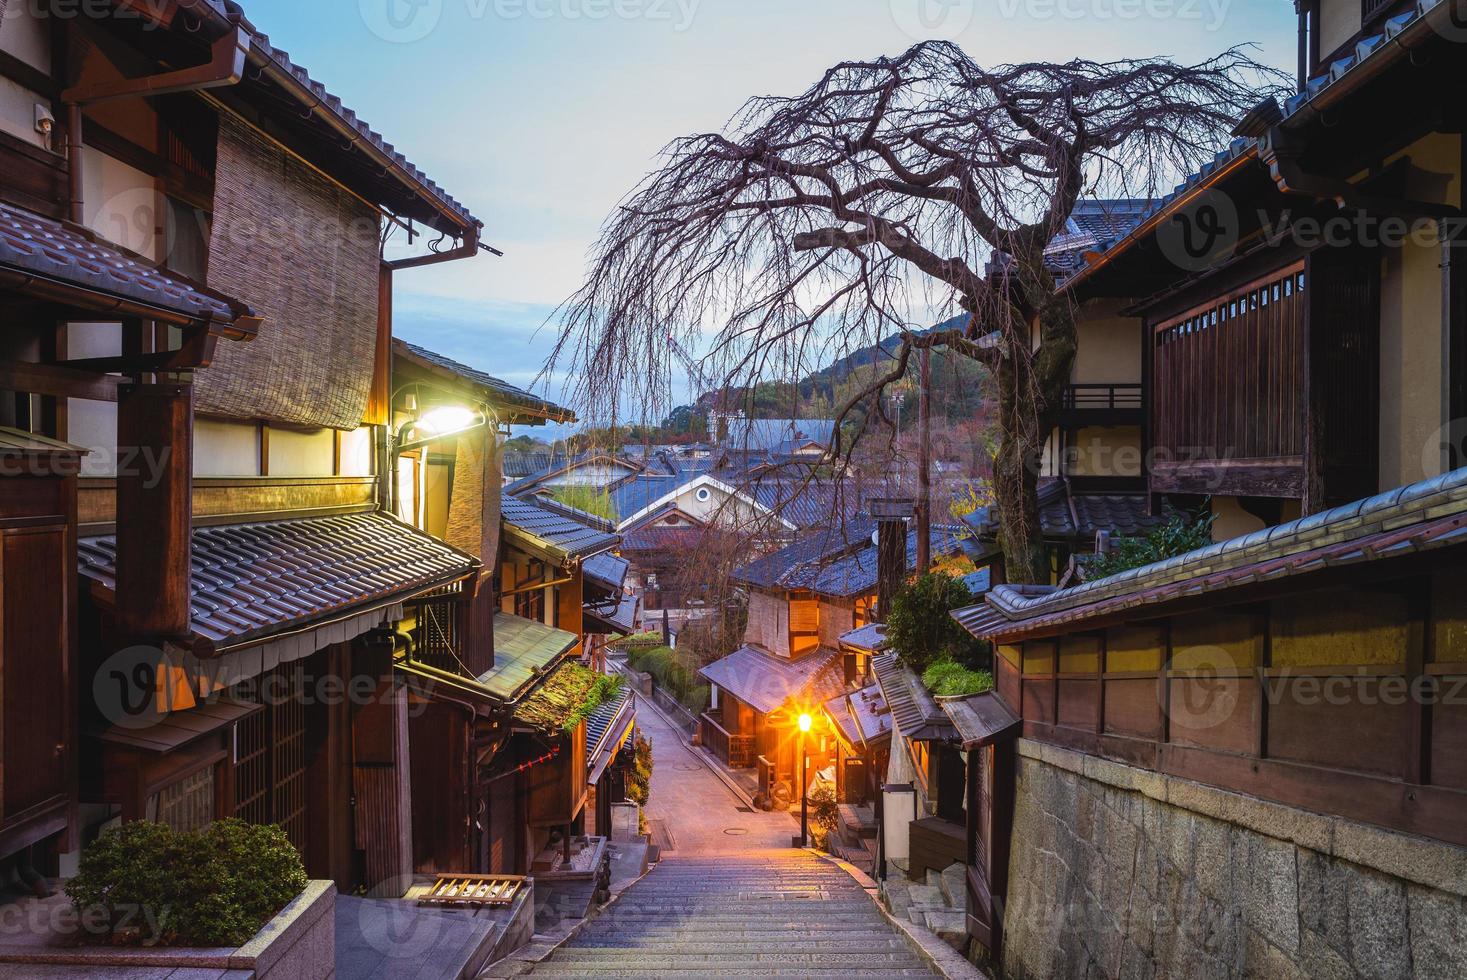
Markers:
(688, 768)
(736, 831)
(744, 809)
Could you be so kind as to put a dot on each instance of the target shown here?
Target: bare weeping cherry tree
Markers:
(816, 225)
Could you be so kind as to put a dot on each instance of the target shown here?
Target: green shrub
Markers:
(214, 887)
(922, 630)
(588, 500)
(824, 815)
(947, 679)
(672, 674)
(1177, 536)
(639, 777)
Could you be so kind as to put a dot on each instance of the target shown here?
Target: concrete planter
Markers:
(300, 942)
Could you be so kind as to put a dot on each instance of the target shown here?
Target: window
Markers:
(530, 605)
(187, 804)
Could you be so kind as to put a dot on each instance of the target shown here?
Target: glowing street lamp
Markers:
(805, 723)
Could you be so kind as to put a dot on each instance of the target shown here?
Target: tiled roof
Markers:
(1424, 516)
(980, 581)
(871, 638)
(253, 580)
(618, 616)
(231, 12)
(861, 716)
(836, 561)
(607, 571)
(565, 539)
(1123, 515)
(664, 539)
(763, 435)
(1235, 150)
(915, 715)
(523, 652)
(765, 682)
(981, 719)
(558, 464)
(61, 252)
(1388, 38)
(517, 466)
(495, 391)
(599, 722)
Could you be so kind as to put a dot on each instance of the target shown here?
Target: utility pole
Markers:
(924, 466)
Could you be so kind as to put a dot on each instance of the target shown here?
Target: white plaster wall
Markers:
(226, 448)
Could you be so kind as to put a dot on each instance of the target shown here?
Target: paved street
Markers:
(696, 807)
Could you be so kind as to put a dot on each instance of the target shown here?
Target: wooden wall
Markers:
(1349, 701)
(241, 497)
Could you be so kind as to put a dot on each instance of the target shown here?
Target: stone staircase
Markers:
(938, 904)
(777, 913)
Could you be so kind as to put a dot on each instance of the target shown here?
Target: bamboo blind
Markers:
(304, 254)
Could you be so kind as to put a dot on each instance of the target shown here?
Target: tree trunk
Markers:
(1031, 386)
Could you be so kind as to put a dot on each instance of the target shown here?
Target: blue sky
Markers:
(541, 114)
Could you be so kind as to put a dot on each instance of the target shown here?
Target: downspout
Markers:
(225, 68)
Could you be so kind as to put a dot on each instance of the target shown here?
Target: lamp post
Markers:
(805, 723)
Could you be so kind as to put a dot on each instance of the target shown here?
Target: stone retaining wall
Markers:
(1119, 872)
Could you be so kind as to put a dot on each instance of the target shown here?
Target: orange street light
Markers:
(806, 722)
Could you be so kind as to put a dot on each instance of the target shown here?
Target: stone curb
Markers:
(941, 957)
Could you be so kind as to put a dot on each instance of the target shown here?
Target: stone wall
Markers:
(1119, 872)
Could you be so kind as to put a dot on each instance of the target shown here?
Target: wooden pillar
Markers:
(924, 466)
(154, 510)
(892, 517)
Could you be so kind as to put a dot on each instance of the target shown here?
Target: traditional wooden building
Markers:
(192, 276)
(495, 777)
(802, 649)
(1277, 704)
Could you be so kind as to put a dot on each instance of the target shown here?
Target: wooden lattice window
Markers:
(187, 804)
(1370, 9)
(1229, 375)
(437, 635)
(270, 754)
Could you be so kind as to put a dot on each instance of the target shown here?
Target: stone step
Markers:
(788, 953)
(710, 942)
(552, 969)
(776, 914)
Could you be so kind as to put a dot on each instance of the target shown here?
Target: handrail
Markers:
(736, 751)
(1102, 396)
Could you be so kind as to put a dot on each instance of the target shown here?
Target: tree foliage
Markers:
(1178, 535)
(921, 629)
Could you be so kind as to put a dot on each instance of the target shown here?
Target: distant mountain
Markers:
(825, 380)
